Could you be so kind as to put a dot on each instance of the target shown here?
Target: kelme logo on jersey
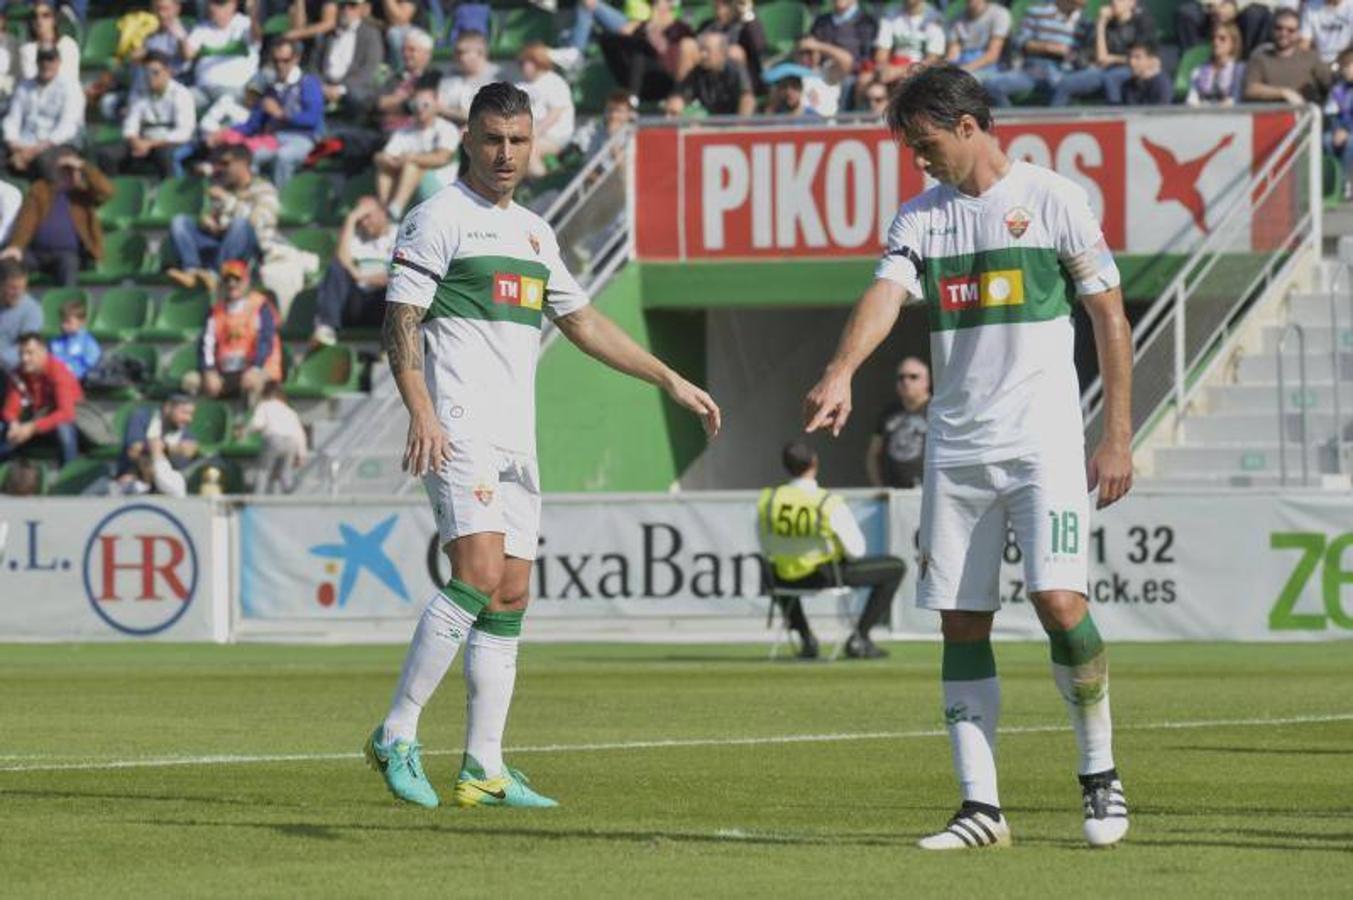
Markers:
(518, 290)
(1004, 287)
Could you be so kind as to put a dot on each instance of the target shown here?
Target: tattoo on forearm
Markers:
(402, 338)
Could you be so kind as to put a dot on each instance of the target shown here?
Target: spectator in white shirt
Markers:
(551, 106)
(46, 112)
(350, 57)
(909, 34)
(284, 441)
(353, 289)
(160, 119)
(1327, 27)
(426, 148)
(473, 71)
(43, 33)
(224, 52)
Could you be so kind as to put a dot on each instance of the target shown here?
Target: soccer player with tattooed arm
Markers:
(996, 253)
(473, 276)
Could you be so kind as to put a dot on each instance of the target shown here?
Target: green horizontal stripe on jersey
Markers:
(1047, 287)
(466, 290)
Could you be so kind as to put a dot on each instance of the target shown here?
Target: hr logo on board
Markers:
(140, 569)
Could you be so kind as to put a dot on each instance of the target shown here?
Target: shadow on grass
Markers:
(154, 798)
(1277, 751)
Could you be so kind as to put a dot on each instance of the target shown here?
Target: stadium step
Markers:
(1250, 458)
(1263, 367)
(1319, 339)
(1262, 397)
(1314, 309)
(1241, 428)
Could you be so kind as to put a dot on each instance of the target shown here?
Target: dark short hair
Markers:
(1147, 47)
(1345, 55)
(235, 152)
(178, 398)
(156, 56)
(75, 308)
(12, 268)
(940, 95)
(789, 81)
(287, 42)
(499, 98)
(618, 97)
(1286, 12)
(29, 337)
(473, 34)
(273, 389)
(798, 457)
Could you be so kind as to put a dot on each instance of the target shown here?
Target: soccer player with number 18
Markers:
(995, 251)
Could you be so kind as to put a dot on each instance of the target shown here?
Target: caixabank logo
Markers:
(140, 569)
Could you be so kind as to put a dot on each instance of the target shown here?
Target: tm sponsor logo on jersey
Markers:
(518, 290)
(1003, 287)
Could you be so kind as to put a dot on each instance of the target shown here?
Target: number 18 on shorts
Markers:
(964, 515)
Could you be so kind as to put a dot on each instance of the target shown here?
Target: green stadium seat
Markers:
(353, 189)
(78, 475)
(121, 313)
(124, 256)
(1191, 59)
(319, 241)
(181, 362)
(323, 372)
(149, 358)
(104, 133)
(592, 85)
(785, 21)
(1163, 12)
(100, 45)
(179, 318)
(300, 320)
(127, 204)
(275, 25)
(242, 448)
(52, 301)
(517, 27)
(304, 200)
(211, 423)
(175, 196)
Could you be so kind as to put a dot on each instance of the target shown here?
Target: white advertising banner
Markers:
(83, 569)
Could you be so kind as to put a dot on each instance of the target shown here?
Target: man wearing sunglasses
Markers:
(240, 351)
(896, 455)
(1283, 71)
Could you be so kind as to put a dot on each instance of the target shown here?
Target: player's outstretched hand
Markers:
(827, 404)
(1110, 469)
(428, 446)
(698, 402)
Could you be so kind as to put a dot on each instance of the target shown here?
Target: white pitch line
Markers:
(160, 762)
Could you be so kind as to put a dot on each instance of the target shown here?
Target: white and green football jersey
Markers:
(485, 276)
(995, 275)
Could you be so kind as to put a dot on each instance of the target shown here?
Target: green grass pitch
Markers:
(683, 772)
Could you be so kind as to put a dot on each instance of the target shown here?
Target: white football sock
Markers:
(441, 630)
(971, 711)
(1085, 688)
(490, 676)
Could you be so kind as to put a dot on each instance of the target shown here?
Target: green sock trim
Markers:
(464, 596)
(1078, 646)
(968, 661)
(500, 624)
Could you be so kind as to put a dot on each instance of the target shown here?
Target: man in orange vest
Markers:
(240, 350)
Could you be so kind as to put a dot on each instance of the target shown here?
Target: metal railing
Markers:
(1290, 329)
(1222, 278)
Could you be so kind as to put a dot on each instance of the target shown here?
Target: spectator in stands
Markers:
(1149, 85)
(393, 105)
(1339, 116)
(11, 199)
(240, 350)
(23, 478)
(352, 292)
(58, 229)
(1047, 38)
(40, 405)
(896, 454)
(618, 116)
(655, 57)
(977, 38)
(824, 81)
(223, 51)
(1104, 47)
(1197, 20)
(424, 149)
(736, 20)
(19, 313)
(284, 441)
(910, 33)
(720, 84)
(552, 113)
(1327, 27)
(43, 35)
(291, 113)
(312, 19)
(797, 561)
(876, 100)
(787, 99)
(75, 346)
(1284, 70)
(240, 221)
(45, 112)
(472, 71)
(398, 16)
(11, 72)
(349, 58)
(161, 119)
(170, 39)
(1220, 80)
(589, 12)
(847, 36)
(157, 445)
(447, 20)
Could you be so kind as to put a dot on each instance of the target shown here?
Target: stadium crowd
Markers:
(229, 175)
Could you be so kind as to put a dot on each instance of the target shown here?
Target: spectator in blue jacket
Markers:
(75, 346)
(292, 111)
(1339, 116)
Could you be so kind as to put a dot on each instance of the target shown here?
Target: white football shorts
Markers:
(487, 489)
(965, 512)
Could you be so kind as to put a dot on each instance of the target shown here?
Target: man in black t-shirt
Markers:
(896, 455)
(719, 83)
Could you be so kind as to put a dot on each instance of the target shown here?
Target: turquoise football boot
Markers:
(401, 765)
(512, 788)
